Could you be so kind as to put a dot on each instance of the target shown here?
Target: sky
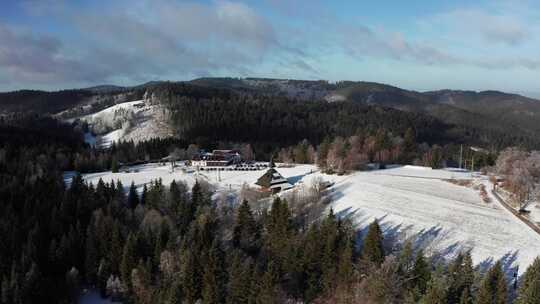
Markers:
(416, 44)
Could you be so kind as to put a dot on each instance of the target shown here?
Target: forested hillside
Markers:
(172, 244)
(197, 112)
(281, 112)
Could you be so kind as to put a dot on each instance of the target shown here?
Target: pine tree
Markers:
(5, 294)
(141, 283)
(187, 210)
(311, 262)
(461, 277)
(373, 251)
(191, 277)
(196, 194)
(329, 235)
(73, 284)
(529, 291)
(31, 283)
(129, 259)
(436, 292)
(91, 255)
(174, 294)
(120, 194)
(144, 195)
(114, 165)
(174, 197)
(103, 275)
(493, 289)
(345, 268)
(322, 153)
(213, 281)
(115, 251)
(239, 287)
(531, 295)
(246, 232)
(421, 272)
(409, 145)
(465, 297)
(267, 293)
(133, 197)
(280, 232)
(406, 259)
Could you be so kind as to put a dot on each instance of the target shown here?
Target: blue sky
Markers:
(415, 44)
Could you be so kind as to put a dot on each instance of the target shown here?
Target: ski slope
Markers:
(409, 202)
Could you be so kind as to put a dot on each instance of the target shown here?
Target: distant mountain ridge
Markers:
(487, 110)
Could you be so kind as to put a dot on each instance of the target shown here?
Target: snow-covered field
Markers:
(408, 202)
(144, 174)
(134, 120)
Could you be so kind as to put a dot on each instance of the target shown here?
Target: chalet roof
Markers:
(272, 179)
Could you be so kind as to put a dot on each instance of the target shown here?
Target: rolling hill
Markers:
(488, 115)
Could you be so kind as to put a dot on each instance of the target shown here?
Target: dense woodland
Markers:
(218, 114)
(173, 244)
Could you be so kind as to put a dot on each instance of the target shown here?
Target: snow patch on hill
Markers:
(334, 97)
(135, 120)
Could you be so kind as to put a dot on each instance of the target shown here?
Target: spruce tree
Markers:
(5, 294)
(174, 197)
(455, 288)
(196, 194)
(531, 295)
(191, 277)
(345, 268)
(267, 293)
(240, 279)
(102, 276)
(311, 262)
(246, 232)
(280, 232)
(115, 249)
(91, 255)
(436, 292)
(144, 195)
(493, 289)
(322, 153)
(409, 145)
(129, 259)
(465, 297)
(372, 250)
(133, 197)
(530, 289)
(329, 236)
(174, 293)
(421, 272)
(114, 165)
(461, 277)
(214, 276)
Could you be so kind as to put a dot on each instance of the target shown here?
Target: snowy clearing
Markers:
(408, 201)
(134, 120)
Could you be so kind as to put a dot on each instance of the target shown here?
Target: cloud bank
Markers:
(166, 39)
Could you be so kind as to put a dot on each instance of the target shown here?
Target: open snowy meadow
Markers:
(413, 203)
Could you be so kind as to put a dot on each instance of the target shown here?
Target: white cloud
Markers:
(491, 27)
(171, 41)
